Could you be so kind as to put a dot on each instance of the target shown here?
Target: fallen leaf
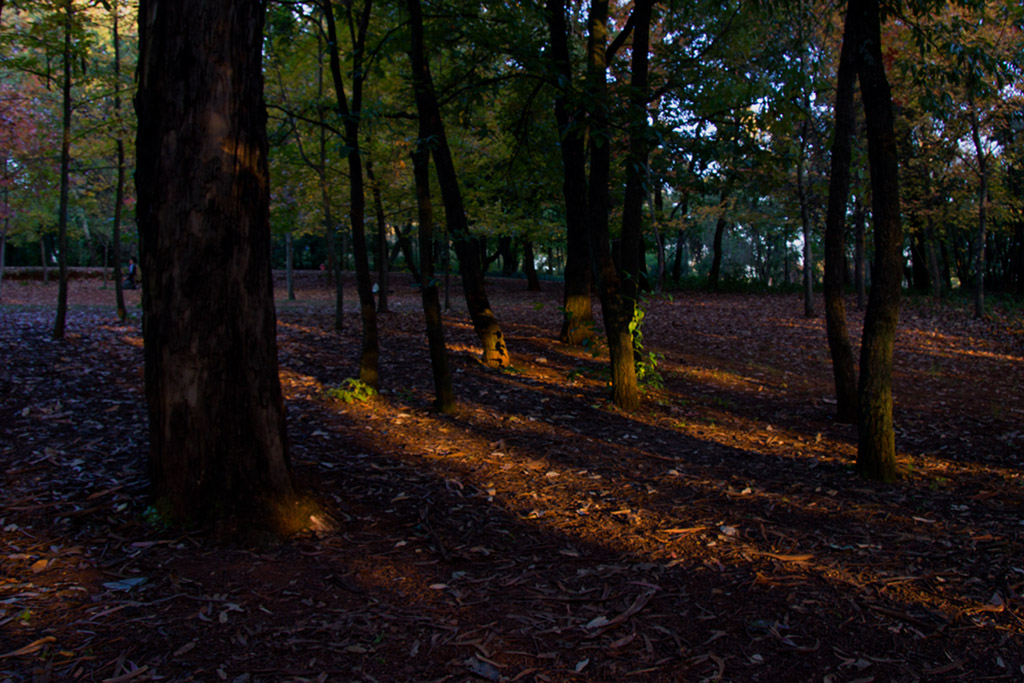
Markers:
(483, 669)
(34, 646)
(125, 584)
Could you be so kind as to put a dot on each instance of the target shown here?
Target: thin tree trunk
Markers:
(405, 244)
(934, 274)
(637, 173)
(3, 251)
(333, 255)
(805, 225)
(655, 203)
(122, 312)
(677, 258)
(876, 448)
(218, 446)
(7, 226)
(1018, 258)
(65, 179)
(843, 366)
(289, 265)
(716, 258)
(529, 267)
(860, 253)
(382, 240)
(444, 396)
(495, 352)
(369, 365)
(979, 242)
(577, 305)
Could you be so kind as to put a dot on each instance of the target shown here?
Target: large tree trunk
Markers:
(577, 306)
(615, 310)
(444, 396)
(495, 353)
(216, 413)
(876, 449)
(369, 366)
(843, 369)
(65, 173)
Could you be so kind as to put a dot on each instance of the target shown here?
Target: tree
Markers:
(876, 444)
(495, 352)
(217, 431)
(444, 396)
(570, 115)
(616, 310)
(65, 175)
(843, 370)
(122, 312)
(369, 371)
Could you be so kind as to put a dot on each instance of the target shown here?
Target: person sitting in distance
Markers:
(129, 282)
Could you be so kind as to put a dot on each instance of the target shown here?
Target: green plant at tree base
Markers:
(352, 390)
(158, 515)
(646, 361)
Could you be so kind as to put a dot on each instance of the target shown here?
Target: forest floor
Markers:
(719, 533)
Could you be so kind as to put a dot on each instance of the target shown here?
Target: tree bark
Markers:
(369, 358)
(65, 179)
(860, 253)
(716, 258)
(289, 265)
(979, 241)
(934, 274)
(495, 352)
(405, 244)
(677, 257)
(805, 225)
(577, 305)
(843, 367)
(122, 311)
(529, 267)
(637, 175)
(216, 413)
(444, 396)
(617, 314)
(382, 240)
(659, 240)
(335, 254)
(876, 448)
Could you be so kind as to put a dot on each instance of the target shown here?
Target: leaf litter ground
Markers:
(538, 534)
